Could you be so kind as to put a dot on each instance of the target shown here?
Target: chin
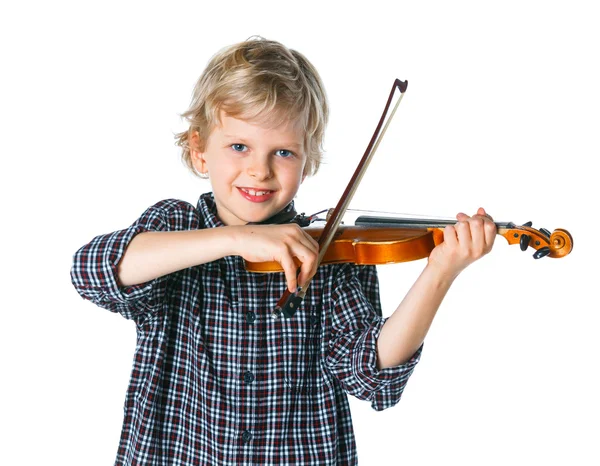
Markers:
(249, 217)
(258, 218)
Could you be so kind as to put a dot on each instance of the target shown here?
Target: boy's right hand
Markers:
(279, 243)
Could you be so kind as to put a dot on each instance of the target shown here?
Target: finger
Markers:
(463, 233)
(304, 276)
(309, 242)
(490, 232)
(290, 270)
(461, 216)
(314, 244)
(299, 235)
(309, 266)
(450, 236)
(476, 229)
(481, 211)
(489, 228)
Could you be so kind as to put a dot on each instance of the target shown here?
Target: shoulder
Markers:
(171, 214)
(173, 206)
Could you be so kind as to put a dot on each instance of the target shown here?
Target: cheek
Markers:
(223, 171)
(295, 174)
(293, 179)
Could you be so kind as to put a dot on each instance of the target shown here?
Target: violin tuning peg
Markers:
(542, 252)
(527, 224)
(544, 231)
(524, 242)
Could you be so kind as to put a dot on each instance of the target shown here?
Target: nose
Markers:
(259, 167)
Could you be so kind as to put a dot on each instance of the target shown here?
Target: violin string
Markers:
(396, 214)
(315, 216)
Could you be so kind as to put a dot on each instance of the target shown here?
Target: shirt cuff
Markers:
(385, 385)
(103, 289)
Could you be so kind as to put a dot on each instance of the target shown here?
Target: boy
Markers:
(216, 379)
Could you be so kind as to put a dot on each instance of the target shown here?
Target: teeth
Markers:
(252, 192)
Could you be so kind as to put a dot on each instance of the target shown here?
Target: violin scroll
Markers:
(557, 244)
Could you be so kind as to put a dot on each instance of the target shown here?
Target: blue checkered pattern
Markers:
(217, 380)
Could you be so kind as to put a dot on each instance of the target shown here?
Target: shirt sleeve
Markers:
(356, 324)
(94, 271)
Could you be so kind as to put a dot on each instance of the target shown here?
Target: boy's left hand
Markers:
(465, 242)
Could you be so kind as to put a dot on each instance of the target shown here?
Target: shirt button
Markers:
(248, 377)
(250, 317)
(246, 436)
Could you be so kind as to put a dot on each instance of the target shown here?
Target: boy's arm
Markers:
(153, 254)
(127, 271)
(156, 253)
(404, 331)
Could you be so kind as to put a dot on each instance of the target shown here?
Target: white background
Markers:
(502, 110)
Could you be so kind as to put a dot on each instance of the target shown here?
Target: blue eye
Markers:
(284, 153)
(239, 147)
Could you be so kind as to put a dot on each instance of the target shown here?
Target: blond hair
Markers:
(260, 81)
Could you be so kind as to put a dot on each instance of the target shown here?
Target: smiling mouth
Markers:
(256, 195)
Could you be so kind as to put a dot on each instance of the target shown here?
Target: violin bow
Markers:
(289, 302)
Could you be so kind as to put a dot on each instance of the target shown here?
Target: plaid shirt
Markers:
(217, 380)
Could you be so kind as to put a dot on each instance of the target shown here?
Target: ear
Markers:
(196, 154)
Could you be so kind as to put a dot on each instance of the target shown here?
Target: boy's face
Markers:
(254, 171)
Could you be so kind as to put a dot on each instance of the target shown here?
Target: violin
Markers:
(375, 240)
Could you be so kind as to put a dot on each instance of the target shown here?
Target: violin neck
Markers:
(417, 223)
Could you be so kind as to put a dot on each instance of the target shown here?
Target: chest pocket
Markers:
(301, 350)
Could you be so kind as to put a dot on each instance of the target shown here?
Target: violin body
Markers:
(368, 246)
